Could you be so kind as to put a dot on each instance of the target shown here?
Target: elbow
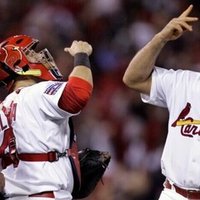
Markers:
(81, 101)
(132, 83)
(127, 81)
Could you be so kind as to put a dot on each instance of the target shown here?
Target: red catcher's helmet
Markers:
(17, 57)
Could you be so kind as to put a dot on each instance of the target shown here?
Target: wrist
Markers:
(81, 59)
(160, 39)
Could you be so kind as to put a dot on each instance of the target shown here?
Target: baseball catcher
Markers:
(39, 155)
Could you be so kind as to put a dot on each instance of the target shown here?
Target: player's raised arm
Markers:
(138, 74)
(80, 83)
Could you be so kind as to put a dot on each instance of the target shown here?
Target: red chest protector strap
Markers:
(74, 158)
(9, 138)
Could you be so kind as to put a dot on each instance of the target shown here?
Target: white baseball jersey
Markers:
(39, 126)
(179, 92)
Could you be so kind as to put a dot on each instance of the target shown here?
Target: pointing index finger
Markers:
(187, 11)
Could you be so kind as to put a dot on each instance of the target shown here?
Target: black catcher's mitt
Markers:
(93, 164)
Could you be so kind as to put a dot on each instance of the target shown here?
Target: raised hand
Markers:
(177, 26)
(79, 47)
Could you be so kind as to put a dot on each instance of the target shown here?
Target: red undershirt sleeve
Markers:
(75, 95)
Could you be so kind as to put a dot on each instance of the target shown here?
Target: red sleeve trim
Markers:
(75, 95)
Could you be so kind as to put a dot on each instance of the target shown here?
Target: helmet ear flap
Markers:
(13, 56)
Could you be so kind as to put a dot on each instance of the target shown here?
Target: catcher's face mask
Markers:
(17, 57)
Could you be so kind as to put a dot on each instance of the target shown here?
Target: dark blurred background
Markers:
(115, 119)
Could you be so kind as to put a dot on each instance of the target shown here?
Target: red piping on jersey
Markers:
(75, 95)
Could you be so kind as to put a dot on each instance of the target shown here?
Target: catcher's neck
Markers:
(23, 83)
